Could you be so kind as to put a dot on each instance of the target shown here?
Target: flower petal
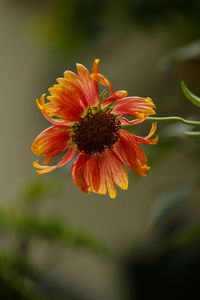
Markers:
(147, 139)
(85, 173)
(102, 79)
(77, 172)
(92, 173)
(67, 102)
(52, 141)
(128, 150)
(70, 154)
(74, 81)
(112, 171)
(126, 122)
(114, 97)
(95, 66)
(137, 107)
(48, 110)
(89, 86)
(95, 69)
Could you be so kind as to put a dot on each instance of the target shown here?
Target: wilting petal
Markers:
(137, 107)
(112, 171)
(70, 154)
(147, 139)
(128, 150)
(102, 79)
(88, 86)
(85, 173)
(52, 141)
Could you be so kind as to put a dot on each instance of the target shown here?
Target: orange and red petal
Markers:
(77, 171)
(137, 107)
(128, 150)
(92, 173)
(74, 81)
(66, 101)
(99, 173)
(52, 141)
(85, 173)
(112, 171)
(69, 155)
(71, 96)
(88, 85)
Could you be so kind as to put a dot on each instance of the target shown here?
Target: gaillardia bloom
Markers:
(92, 127)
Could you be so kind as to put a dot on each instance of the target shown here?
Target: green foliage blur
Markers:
(19, 278)
(71, 25)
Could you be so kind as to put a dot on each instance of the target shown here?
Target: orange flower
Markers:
(84, 123)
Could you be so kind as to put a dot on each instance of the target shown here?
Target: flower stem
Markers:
(171, 119)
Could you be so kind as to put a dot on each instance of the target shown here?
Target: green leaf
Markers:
(189, 95)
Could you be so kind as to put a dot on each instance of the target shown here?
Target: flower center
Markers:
(96, 131)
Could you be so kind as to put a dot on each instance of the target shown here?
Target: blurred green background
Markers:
(56, 242)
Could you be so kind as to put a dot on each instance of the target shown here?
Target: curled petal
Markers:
(128, 150)
(85, 173)
(48, 110)
(112, 171)
(52, 141)
(117, 95)
(102, 79)
(126, 122)
(70, 154)
(137, 107)
(147, 139)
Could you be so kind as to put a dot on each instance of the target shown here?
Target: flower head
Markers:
(91, 127)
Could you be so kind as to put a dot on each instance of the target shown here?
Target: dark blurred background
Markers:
(56, 242)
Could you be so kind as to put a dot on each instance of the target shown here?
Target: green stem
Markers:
(171, 119)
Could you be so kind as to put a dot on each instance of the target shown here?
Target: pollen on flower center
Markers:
(96, 131)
